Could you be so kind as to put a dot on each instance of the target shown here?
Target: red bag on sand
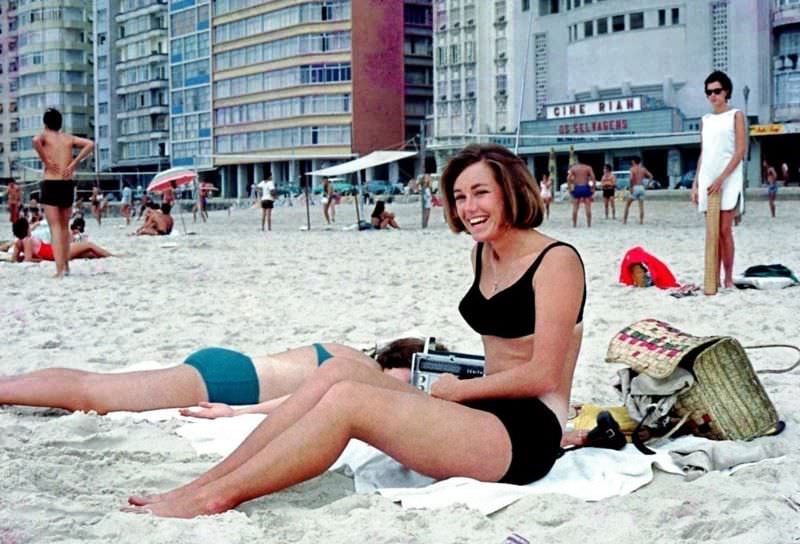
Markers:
(659, 272)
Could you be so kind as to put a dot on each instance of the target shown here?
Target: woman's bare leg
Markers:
(726, 245)
(287, 414)
(79, 390)
(434, 437)
(87, 250)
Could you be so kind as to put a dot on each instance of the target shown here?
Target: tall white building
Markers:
(474, 62)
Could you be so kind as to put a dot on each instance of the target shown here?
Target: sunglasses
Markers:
(719, 90)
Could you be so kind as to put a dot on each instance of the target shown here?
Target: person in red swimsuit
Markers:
(30, 248)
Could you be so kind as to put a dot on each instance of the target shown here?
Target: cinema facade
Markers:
(613, 131)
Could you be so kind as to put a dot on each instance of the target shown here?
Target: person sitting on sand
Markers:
(31, 248)
(212, 378)
(381, 218)
(77, 227)
(157, 222)
(526, 302)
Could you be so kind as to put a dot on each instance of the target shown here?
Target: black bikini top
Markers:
(510, 313)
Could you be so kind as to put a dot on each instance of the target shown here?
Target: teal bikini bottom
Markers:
(230, 376)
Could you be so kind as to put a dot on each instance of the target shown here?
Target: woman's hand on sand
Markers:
(446, 388)
(209, 410)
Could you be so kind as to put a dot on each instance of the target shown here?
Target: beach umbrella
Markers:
(162, 180)
(551, 168)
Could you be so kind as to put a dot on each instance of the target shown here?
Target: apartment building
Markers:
(296, 84)
(55, 66)
(131, 86)
(9, 82)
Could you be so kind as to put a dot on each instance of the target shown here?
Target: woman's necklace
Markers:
(495, 281)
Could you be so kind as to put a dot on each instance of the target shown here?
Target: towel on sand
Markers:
(590, 474)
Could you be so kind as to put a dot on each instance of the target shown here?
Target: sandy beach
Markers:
(63, 477)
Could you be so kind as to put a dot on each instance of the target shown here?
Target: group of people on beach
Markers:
(526, 301)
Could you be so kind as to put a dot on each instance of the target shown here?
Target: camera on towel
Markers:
(428, 366)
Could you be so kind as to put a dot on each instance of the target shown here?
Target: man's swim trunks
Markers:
(59, 193)
(582, 191)
(637, 193)
(322, 354)
(230, 376)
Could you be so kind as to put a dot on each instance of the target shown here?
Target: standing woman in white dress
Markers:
(723, 146)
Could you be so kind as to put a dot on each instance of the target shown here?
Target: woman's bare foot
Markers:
(174, 495)
(189, 506)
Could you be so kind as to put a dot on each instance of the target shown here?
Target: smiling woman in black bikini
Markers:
(526, 302)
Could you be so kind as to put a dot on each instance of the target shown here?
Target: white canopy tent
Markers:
(376, 158)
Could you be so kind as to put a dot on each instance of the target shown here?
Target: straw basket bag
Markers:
(727, 400)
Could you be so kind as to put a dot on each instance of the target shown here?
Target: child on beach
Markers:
(54, 149)
(546, 190)
(478, 428)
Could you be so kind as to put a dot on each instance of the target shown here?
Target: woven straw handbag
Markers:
(727, 400)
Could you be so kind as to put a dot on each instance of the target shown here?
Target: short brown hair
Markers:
(523, 203)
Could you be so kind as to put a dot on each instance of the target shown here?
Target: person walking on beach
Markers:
(580, 179)
(722, 148)
(638, 175)
(546, 190)
(127, 202)
(328, 201)
(14, 196)
(526, 301)
(426, 194)
(58, 189)
(608, 184)
(771, 177)
(268, 194)
(96, 201)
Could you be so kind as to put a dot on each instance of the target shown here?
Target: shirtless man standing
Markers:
(55, 151)
(14, 200)
(638, 173)
(581, 183)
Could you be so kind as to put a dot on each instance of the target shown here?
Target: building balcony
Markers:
(785, 15)
(139, 87)
(145, 110)
(155, 7)
(783, 113)
(144, 136)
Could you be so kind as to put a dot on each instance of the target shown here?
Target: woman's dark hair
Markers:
(523, 203)
(166, 208)
(398, 353)
(20, 228)
(721, 78)
(78, 224)
(607, 167)
(379, 208)
(52, 119)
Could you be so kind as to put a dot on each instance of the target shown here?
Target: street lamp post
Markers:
(746, 94)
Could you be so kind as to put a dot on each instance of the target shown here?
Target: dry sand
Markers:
(63, 477)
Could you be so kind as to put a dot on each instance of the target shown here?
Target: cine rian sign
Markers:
(596, 107)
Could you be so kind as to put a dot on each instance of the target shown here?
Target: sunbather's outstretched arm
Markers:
(213, 410)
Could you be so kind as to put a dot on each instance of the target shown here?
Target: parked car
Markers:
(624, 181)
(687, 180)
(382, 187)
(288, 189)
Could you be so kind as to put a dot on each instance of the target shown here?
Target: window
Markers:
(526, 5)
(636, 20)
(618, 23)
(676, 16)
(662, 17)
(602, 26)
(588, 29)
